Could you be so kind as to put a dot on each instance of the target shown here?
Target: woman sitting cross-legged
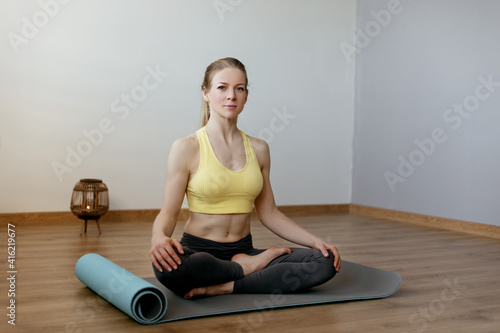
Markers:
(224, 174)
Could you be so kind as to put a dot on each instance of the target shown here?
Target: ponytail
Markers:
(205, 112)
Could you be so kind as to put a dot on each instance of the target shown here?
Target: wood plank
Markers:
(50, 298)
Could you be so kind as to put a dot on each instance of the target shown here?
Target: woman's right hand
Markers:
(163, 255)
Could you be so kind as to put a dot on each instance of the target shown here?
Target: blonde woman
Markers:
(225, 174)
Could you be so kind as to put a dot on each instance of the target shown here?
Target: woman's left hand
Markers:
(324, 248)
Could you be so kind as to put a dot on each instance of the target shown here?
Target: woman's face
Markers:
(228, 93)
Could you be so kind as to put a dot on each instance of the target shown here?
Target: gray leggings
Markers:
(207, 263)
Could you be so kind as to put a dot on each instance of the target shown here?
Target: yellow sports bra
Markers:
(215, 189)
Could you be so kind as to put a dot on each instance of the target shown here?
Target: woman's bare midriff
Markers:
(223, 228)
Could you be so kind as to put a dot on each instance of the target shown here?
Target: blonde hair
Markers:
(211, 70)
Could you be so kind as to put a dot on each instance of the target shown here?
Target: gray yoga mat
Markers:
(145, 300)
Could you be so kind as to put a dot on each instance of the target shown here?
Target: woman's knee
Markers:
(167, 277)
(315, 269)
(324, 269)
(176, 280)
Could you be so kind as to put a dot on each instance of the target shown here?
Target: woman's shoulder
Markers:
(186, 144)
(183, 152)
(260, 146)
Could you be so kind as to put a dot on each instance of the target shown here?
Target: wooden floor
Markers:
(451, 281)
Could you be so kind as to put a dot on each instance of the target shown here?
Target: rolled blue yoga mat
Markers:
(141, 300)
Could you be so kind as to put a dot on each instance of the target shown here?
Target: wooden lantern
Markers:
(89, 201)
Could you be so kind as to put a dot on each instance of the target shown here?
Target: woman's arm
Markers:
(162, 245)
(278, 222)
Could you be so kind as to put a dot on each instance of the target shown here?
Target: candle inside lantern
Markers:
(89, 201)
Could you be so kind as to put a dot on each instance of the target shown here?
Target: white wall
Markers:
(422, 72)
(66, 66)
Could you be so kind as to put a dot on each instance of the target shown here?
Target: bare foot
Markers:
(218, 289)
(253, 264)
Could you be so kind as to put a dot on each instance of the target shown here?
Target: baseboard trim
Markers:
(142, 215)
(148, 215)
(301, 210)
(474, 228)
(37, 218)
